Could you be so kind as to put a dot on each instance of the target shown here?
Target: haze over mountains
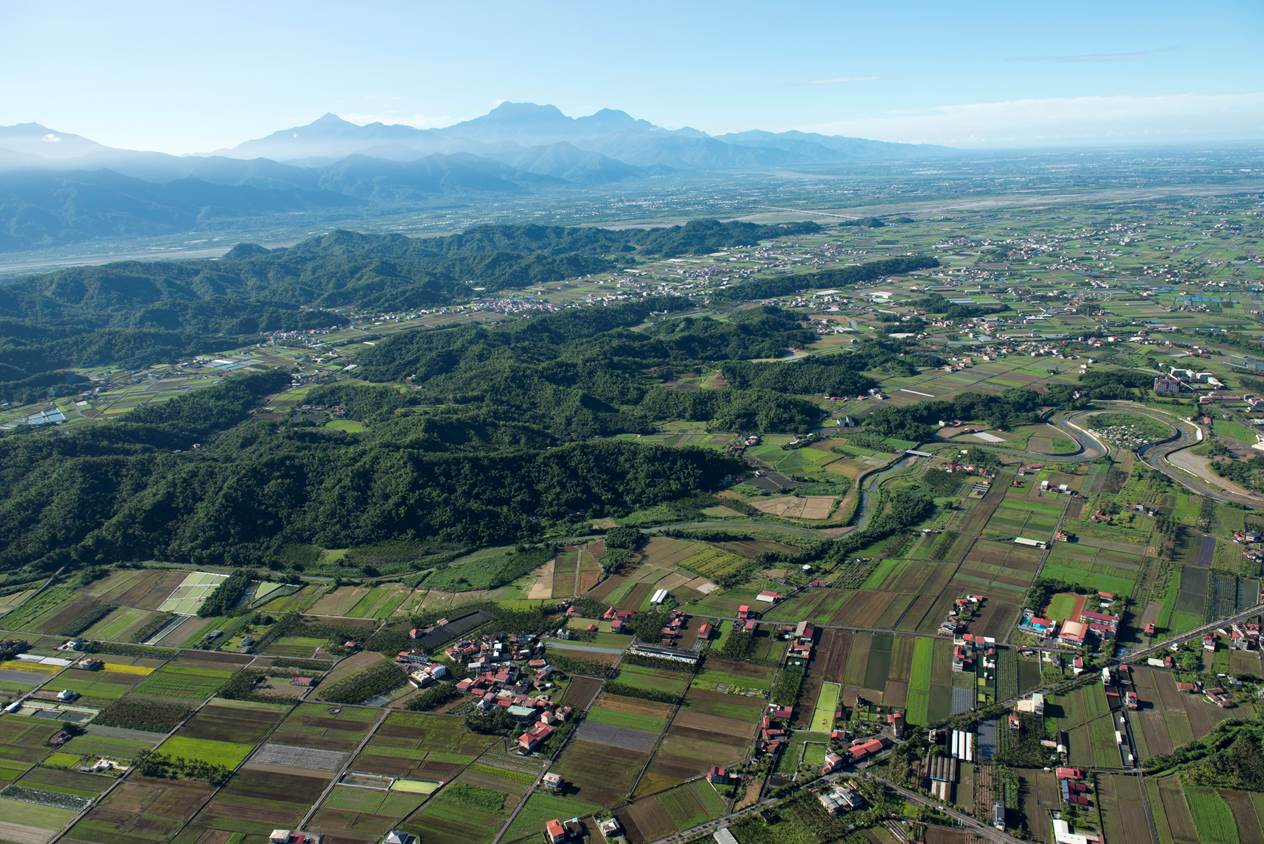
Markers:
(58, 188)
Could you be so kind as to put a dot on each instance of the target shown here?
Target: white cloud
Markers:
(1066, 120)
(418, 121)
(50, 138)
(842, 80)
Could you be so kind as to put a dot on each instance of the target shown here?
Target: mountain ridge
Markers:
(58, 188)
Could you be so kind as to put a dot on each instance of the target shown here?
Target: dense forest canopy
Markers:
(137, 313)
(477, 434)
(587, 372)
(140, 489)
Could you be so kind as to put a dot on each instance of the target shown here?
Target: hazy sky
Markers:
(186, 77)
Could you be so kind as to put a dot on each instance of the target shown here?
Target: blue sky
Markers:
(187, 77)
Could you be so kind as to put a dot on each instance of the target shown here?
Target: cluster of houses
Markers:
(422, 670)
(1073, 785)
(799, 651)
(854, 753)
(557, 831)
(1064, 833)
(957, 467)
(506, 671)
(962, 612)
(1189, 376)
(774, 731)
(1061, 489)
(292, 836)
(838, 799)
(747, 619)
(1252, 539)
(966, 648)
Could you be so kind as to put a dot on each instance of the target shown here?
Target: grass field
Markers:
(379, 602)
(1211, 815)
(116, 626)
(1061, 606)
(920, 681)
(643, 677)
(647, 721)
(226, 753)
(826, 703)
(1099, 576)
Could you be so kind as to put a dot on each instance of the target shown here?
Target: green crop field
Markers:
(188, 597)
(226, 753)
(643, 677)
(826, 703)
(920, 681)
(648, 721)
(1212, 816)
(191, 682)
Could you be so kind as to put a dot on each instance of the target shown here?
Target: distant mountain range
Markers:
(58, 188)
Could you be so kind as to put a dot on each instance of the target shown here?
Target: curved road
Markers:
(1088, 448)
(1158, 456)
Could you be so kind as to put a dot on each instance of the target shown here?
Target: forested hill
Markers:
(137, 313)
(137, 488)
(502, 432)
(364, 271)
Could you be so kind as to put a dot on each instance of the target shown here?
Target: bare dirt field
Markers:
(581, 692)
(542, 584)
(646, 820)
(812, 507)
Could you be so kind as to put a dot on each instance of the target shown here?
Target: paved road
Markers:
(980, 829)
(1158, 456)
(1140, 654)
(1087, 446)
(976, 826)
(568, 645)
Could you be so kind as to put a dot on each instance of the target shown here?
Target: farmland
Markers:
(900, 462)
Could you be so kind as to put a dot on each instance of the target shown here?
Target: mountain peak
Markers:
(39, 141)
(330, 119)
(26, 127)
(519, 110)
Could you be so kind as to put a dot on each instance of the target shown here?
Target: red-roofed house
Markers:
(534, 737)
(1073, 633)
(862, 748)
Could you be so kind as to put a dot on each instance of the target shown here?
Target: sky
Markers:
(195, 77)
